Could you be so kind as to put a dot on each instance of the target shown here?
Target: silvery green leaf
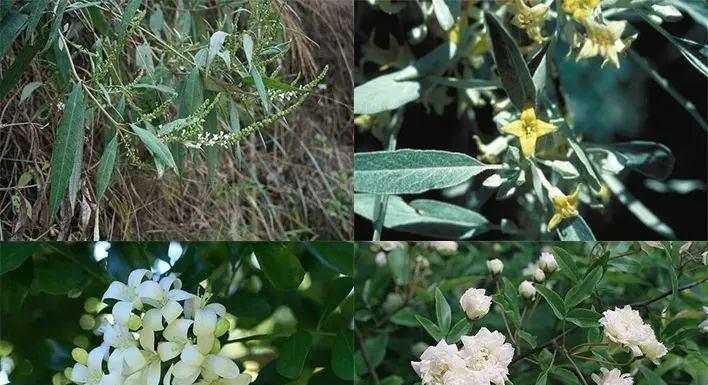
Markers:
(564, 168)
(424, 216)
(28, 90)
(676, 186)
(440, 57)
(667, 12)
(650, 159)
(143, 58)
(215, 43)
(384, 93)
(413, 171)
(583, 165)
(575, 229)
(515, 76)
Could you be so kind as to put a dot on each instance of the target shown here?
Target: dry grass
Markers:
(291, 181)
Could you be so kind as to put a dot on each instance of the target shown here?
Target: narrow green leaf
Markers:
(253, 70)
(430, 327)
(38, 7)
(412, 171)
(280, 265)
(515, 76)
(216, 42)
(69, 138)
(583, 290)
(343, 355)
(566, 265)
(28, 89)
(459, 329)
(10, 27)
(292, 355)
(21, 63)
(575, 229)
(56, 23)
(191, 93)
(128, 13)
(581, 162)
(442, 312)
(106, 167)
(399, 263)
(554, 301)
(650, 159)
(585, 318)
(156, 147)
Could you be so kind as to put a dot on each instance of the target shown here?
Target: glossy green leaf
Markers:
(36, 10)
(430, 327)
(69, 138)
(338, 290)
(459, 329)
(343, 355)
(292, 355)
(566, 264)
(282, 268)
(575, 229)
(584, 289)
(106, 167)
(412, 171)
(553, 299)
(425, 217)
(515, 76)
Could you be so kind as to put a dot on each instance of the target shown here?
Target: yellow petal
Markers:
(515, 128)
(573, 198)
(528, 115)
(528, 145)
(555, 220)
(543, 128)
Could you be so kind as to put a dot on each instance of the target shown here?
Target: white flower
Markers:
(703, 327)
(626, 327)
(436, 362)
(380, 259)
(151, 371)
(539, 275)
(547, 262)
(7, 364)
(529, 269)
(176, 338)
(194, 362)
(128, 293)
(92, 373)
(205, 316)
(475, 303)
(445, 248)
(164, 296)
(385, 245)
(612, 377)
(527, 290)
(487, 353)
(495, 266)
(125, 349)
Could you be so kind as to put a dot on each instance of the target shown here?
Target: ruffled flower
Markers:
(475, 303)
(487, 354)
(626, 327)
(612, 377)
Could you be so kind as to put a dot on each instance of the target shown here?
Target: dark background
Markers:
(617, 105)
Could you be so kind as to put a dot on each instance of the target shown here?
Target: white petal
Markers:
(168, 376)
(95, 358)
(111, 379)
(151, 290)
(122, 311)
(166, 283)
(184, 370)
(222, 366)
(117, 290)
(115, 361)
(205, 343)
(216, 308)
(147, 339)
(153, 320)
(153, 373)
(176, 330)
(191, 356)
(134, 358)
(136, 276)
(79, 373)
(168, 350)
(204, 322)
(179, 295)
(171, 311)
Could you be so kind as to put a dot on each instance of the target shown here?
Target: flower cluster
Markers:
(155, 325)
(625, 327)
(612, 377)
(546, 264)
(483, 360)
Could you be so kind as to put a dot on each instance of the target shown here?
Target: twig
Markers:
(366, 356)
(667, 293)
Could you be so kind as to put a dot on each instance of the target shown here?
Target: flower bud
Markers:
(135, 322)
(539, 275)
(475, 303)
(67, 372)
(527, 290)
(495, 266)
(216, 348)
(6, 348)
(380, 259)
(222, 327)
(58, 379)
(91, 304)
(87, 322)
(81, 341)
(547, 262)
(79, 355)
(445, 248)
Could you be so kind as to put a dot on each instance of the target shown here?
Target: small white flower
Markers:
(495, 266)
(527, 290)
(612, 377)
(194, 362)
(125, 348)
(176, 338)
(475, 303)
(205, 316)
(164, 296)
(703, 327)
(539, 275)
(380, 259)
(92, 373)
(529, 269)
(445, 248)
(626, 327)
(547, 262)
(488, 354)
(128, 293)
(436, 362)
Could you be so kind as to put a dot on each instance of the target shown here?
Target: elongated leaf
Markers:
(430, 327)
(554, 301)
(282, 268)
(10, 27)
(191, 93)
(68, 139)
(28, 90)
(412, 171)
(566, 265)
(74, 180)
(156, 147)
(376, 347)
(459, 329)
(38, 7)
(105, 167)
(651, 159)
(128, 13)
(514, 73)
(14, 254)
(56, 22)
(442, 312)
(582, 164)
(384, 93)
(215, 43)
(292, 355)
(22, 61)
(253, 70)
(575, 229)
(583, 290)
(400, 264)
(424, 217)
(585, 318)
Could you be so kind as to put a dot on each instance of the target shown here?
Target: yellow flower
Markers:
(528, 129)
(454, 35)
(566, 206)
(580, 9)
(530, 19)
(603, 40)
